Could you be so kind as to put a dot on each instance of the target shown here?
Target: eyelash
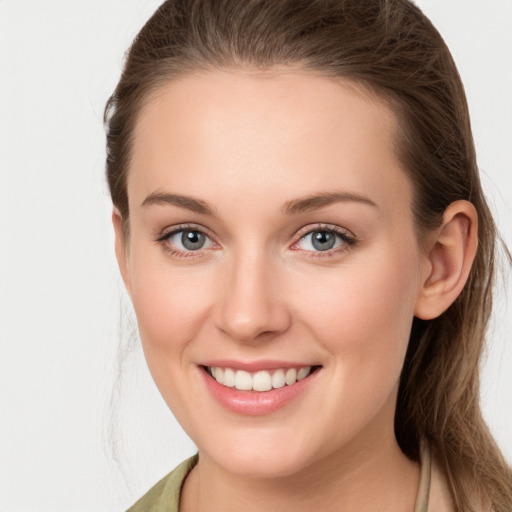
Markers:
(347, 240)
(166, 235)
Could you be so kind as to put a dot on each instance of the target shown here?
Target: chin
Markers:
(261, 465)
(260, 455)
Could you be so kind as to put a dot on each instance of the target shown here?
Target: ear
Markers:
(121, 247)
(451, 252)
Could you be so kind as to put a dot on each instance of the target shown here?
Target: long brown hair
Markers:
(390, 47)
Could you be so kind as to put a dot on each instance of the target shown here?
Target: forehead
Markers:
(289, 129)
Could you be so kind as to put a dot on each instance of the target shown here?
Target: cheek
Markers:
(363, 313)
(171, 310)
(169, 305)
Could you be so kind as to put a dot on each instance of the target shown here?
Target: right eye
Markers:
(186, 240)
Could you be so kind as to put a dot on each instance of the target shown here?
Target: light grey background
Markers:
(60, 295)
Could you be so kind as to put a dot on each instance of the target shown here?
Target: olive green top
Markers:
(165, 495)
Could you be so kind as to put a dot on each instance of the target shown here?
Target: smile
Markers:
(261, 381)
(254, 391)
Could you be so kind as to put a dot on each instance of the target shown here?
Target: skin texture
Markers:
(247, 144)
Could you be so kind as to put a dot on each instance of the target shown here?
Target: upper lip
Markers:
(253, 366)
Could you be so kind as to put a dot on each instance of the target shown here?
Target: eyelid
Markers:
(322, 226)
(163, 237)
(172, 230)
(346, 236)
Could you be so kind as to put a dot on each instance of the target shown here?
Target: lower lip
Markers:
(256, 403)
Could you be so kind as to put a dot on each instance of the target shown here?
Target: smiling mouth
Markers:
(261, 381)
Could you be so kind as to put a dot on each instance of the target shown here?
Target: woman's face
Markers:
(271, 231)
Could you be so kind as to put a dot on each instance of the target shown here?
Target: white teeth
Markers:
(219, 375)
(262, 381)
(303, 373)
(291, 376)
(278, 379)
(243, 380)
(229, 378)
(259, 381)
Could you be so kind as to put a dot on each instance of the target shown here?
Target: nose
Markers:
(252, 305)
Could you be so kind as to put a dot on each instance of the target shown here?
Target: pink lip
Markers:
(255, 403)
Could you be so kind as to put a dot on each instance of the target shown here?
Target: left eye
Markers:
(189, 240)
(322, 240)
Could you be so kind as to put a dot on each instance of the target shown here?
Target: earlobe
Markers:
(450, 258)
(121, 247)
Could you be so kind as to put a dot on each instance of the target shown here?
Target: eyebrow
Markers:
(187, 202)
(317, 201)
(304, 204)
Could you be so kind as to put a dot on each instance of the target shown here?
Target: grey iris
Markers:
(323, 240)
(192, 240)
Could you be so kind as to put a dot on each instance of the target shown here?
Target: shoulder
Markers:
(433, 491)
(165, 495)
(440, 496)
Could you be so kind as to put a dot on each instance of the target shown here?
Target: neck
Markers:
(378, 477)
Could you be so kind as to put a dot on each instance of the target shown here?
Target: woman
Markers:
(302, 231)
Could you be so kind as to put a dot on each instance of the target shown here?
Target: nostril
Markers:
(251, 309)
